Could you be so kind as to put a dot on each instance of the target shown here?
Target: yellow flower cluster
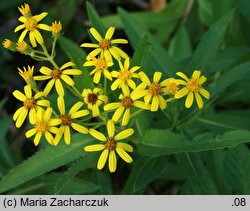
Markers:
(136, 91)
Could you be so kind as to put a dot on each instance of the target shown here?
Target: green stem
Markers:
(53, 47)
(136, 113)
(49, 58)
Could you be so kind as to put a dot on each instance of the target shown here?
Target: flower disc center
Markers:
(127, 102)
(155, 88)
(29, 103)
(110, 144)
(31, 24)
(105, 44)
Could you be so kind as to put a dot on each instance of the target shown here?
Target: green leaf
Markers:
(5, 154)
(244, 6)
(135, 31)
(199, 178)
(181, 41)
(103, 179)
(74, 185)
(210, 43)
(237, 170)
(228, 78)
(77, 55)
(143, 55)
(149, 172)
(95, 19)
(206, 11)
(80, 165)
(163, 142)
(46, 160)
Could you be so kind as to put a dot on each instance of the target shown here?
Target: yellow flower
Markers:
(31, 25)
(31, 105)
(94, 99)
(128, 101)
(56, 77)
(8, 44)
(110, 146)
(22, 46)
(44, 125)
(25, 10)
(105, 45)
(56, 28)
(171, 86)
(26, 74)
(101, 66)
(124, 76)
(155, 91)
(192, 87)
(68, 120)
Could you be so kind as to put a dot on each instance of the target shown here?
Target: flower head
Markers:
(31, 105)
(31, 24)
(57, 76)
(25, 10)
(192, 87)
(155, 91)
(22, 46)
(94, 99)
(44, 125)
(106, 46)
(69, 120)
(8, 44)
(101, 66)
(172, 86)
(128, 101)
(124, 76)
(111, 145)
(56, 28)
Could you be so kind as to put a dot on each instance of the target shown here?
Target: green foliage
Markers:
(45, 160)
(164, 142)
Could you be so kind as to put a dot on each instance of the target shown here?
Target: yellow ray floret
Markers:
(70, 120)
(31, 104)
(57, 76)
(94, 99)
(30, 24)
(44, 125)
(192, 87)
(110, 145)
(106, 46)
(128, 101)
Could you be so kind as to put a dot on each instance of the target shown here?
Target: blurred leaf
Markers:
(8, 4)
(180, 41)
(95, 20)
(135, 31)
(2, 102)
(172, 172)
(237, 169)
(73, 185)
(210, 43)
(163, 142)
(77, 55)
(5, 154)
(199, 177)
(171, 14)
(206, 11)
(103, 179)
(244, 6)
(149, 172)
(143, 55)
(235, 74)
(221, 7)
(62, 182)
(46, 160)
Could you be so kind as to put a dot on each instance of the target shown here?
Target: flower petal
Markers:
(124, 155)
(110, 128)
(119, 41)
(79, 128)
(97, 134)
(102, 160)
(181, 93)
(67, 137)
(110, 33)
(95, 34)
(124, 134)
(45, 70)
(19, 95)
(112, 106)
(61, 105)
(94, 147)
(21, 118)
(155, 103)
(126, 117)
(80, 113)
(157, 76)
(125, 146)
(196, 74)
(118, 113)
(59, 87)
(75, 107)
(189, 100)
(204, 93)
(40, 16)
(31, 132)
(199, 100)
(32, 115)
(28, 91)
(182, 75)
(112, 161)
